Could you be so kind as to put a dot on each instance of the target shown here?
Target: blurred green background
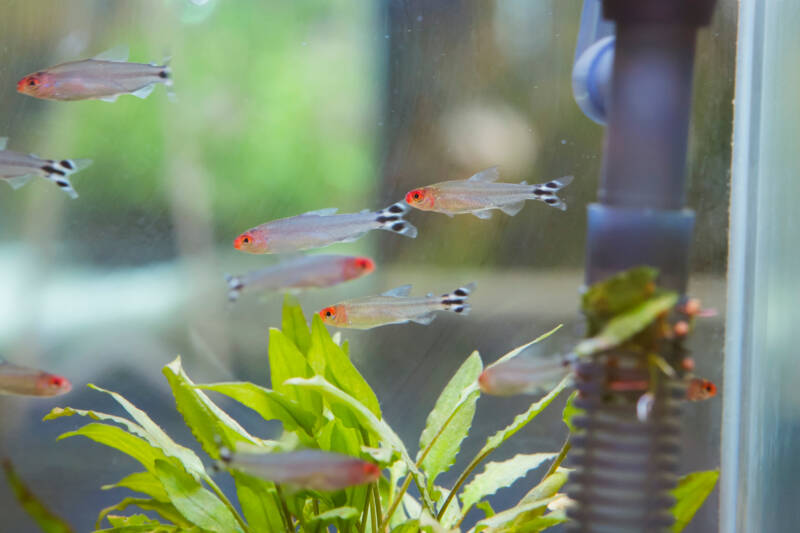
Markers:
(289, 106)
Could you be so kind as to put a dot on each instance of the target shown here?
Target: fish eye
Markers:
(246, 240)
(328, 312)
(33, 82)
(56, 381)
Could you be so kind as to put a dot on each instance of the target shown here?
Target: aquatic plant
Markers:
(323, 402)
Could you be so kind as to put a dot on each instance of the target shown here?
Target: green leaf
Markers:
(46, 519)
(121, 440)
(625, 325)
(521, 420)
(537, 523)
(570, 411)
(166, 510)
(453, 512)
(409, 526)
(332, 515)
(207, 422)
(519, 349)
(270, 404)
(334, 437)
(497, 475)
(691, 492)
(499, 520)
(140, 523)
(449, 422)
(486, 507)
(259, 501)
(617, 294)
(294, 324)
(143, 482)
(195, 503)
(286, 362)
(547, 488)
(339, 370)
(157, 437)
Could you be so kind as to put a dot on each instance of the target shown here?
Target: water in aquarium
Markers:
(415, 174)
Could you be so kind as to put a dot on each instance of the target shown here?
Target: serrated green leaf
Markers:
(691, 492)
(44, 517)
(547, 488)
(270, 404)
(486, 507)
(294, 325)
(521, 420)
(338, 369)
(332, 515)
(121, 440)
(197, 504)
(157, 437)
(519, 349)
(143, 482)
(449, 422)
(534, 525)
(625, 325)
(347, 407)
(259, 501)
(205, 420)
(570, 411)
(501, 519)
(166, 510)
(140, 523)
(409, 526)
(498, 475)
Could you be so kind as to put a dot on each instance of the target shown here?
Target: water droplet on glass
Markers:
(563, 141)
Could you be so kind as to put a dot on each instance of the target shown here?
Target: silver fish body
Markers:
(23, 381)
(309, 469)
(395, 307)
(317, 229)
(17, 169)
(308, 272)
(522, 375)
(482, 193)
(104, 77)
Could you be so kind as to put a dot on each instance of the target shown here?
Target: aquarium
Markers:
(262, 110)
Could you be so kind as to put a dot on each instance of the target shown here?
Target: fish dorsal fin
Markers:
(3, 143)
(365, 211)
(322, 212)
(403, 290)
(118, 54)
(490, 174)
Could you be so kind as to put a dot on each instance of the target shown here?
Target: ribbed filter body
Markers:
(624, 467)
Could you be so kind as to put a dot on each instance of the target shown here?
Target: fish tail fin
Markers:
(457, 301)
(391, 219)
(546, 192)
(59, 171)
(235, 287)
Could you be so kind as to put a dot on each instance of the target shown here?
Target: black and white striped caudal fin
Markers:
(546, 192)
(457, 301)
(59, 171)
(391, 219)
(235, 287)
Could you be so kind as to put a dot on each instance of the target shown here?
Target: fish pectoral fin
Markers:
(513, 209)
(144, 92)
(322, 212)
(490, 174)
(109, 98)
(3, 143)
(19, 181)
(403, 290)
(118, 54)
(483, 214)
(424, 319)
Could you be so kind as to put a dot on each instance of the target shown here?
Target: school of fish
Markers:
(109, 75)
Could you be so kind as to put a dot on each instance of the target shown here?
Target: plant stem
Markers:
(287, 516)
(461, 479)
(363, 524)
(559, 458)
(316, 513)
(226, 501)
(375, 505)
(396, 501)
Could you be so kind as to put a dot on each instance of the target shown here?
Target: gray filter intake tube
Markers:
(625, 468)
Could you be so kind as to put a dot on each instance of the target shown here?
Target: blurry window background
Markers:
(285, 107)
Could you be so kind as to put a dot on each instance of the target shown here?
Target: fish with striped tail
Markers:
(17, 169)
